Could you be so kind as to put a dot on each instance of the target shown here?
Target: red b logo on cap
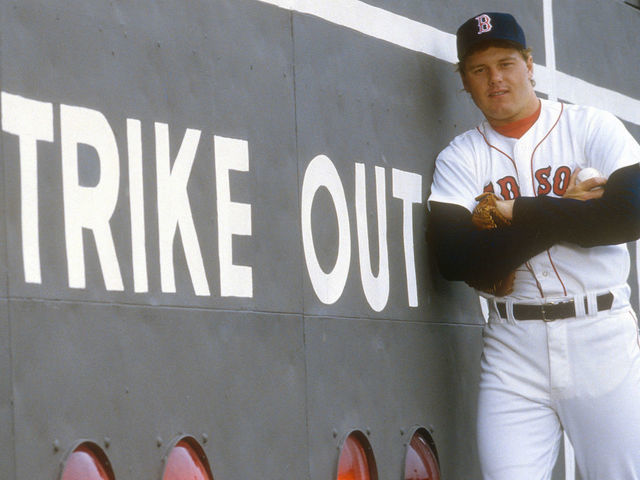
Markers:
(484, 24)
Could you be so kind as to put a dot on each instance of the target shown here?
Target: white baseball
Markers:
(586, 174)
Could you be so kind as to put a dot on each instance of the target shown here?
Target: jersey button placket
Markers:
(521, 158)
(541, 275)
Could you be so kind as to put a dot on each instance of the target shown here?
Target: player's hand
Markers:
(588, 190)
(505, 207)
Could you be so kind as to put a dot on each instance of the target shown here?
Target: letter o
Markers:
(321, 172)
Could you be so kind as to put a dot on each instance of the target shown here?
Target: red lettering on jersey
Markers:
(561, 180)
(488, 188)
(509, 188)
(542, 176)
(484, 24)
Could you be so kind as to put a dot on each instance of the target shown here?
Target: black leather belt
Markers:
(552, 311)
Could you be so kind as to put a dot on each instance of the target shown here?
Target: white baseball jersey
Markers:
(563, 138)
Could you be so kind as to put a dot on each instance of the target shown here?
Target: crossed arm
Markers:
(586, 216)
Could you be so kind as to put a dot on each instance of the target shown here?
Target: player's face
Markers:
(499, 81)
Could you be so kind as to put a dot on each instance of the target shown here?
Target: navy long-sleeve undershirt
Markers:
(464, 253)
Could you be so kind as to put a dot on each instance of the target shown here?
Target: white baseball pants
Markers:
(580, 375)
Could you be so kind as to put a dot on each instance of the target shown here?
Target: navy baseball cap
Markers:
(488, 26)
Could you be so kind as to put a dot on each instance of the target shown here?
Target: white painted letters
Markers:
(233, 218)
(376, 289)
(328, 287)
(136, 204)
(92, 207)
(174, 210)
(31, 121)
(321, 172)
(407, 187)
(89, 207)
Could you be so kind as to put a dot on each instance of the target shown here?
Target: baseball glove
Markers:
(485, 217)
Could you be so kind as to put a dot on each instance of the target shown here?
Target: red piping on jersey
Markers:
(564, 288)
(533, 184)
(535, 193)
(557, 274)
(496, 148)
(528, 265)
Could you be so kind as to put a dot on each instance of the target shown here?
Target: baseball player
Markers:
(561, 349)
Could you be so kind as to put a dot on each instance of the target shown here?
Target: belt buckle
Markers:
(544, 314)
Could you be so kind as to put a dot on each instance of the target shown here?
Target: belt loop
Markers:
(592, 302)
(494, 313)
(579, 303)
(509, 308)
(614, 302)
(493, 308)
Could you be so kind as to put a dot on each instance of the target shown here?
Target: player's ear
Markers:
(530, 66)
(463, 77)
(460, 70)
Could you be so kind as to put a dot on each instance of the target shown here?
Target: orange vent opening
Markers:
(187, 462)
(421, 462)
(354, 462)
(87, 462)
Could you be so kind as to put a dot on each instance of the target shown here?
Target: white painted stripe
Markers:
(576, 90)
(549, 46)
(382, 24)
(419, 37)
